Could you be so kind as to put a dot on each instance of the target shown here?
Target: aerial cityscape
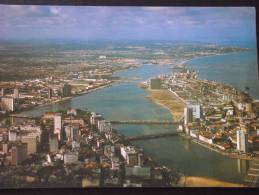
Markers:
(128, 97)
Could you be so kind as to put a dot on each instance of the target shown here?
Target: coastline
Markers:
(184, 62)
(194, 181)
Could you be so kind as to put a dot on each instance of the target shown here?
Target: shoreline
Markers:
(158, 99)
(196, 181)
(184, 62)
(65, 99)
(164, 98)
(217, 150)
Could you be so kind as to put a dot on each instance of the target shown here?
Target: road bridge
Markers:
(23, 116)
(153, 122)
(151, 136)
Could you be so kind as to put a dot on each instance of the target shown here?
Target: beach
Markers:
(191, 181)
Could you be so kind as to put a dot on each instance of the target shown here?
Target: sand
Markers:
(168, 100)
(190, 181)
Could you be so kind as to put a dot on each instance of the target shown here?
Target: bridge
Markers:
(151, 136)
(252, 177)
(23, 116)
(152, 122)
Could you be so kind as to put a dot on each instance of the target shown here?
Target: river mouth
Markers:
(124, 101)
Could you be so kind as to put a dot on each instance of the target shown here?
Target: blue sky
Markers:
(127, 23)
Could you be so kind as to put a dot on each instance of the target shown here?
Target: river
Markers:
(127, 101)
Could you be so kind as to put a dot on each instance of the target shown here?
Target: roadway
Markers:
(151, 136)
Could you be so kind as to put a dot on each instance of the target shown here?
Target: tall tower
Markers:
(66, 90)
(2, 92)
(197, 111)
(242, 141)
(50, 92)
(188, 115)
(16, 93)
(58, 125)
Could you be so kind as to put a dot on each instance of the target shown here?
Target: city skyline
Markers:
(128, 97)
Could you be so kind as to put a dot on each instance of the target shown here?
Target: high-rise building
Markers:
(16, 93)
(74, 133)
(5, 147)
(155, 83)
(248, 107)
(104, 126)
(66, 90)
(130, 155)
(12, 136)
(19, 153)
(242, 166)
(242, 141)
(31, 144)
(53, 143)
(50, 93)
(72, 112)
(140, 159)
(197, 111)
(8, 103)
(68, 132)
(188, 115)
(58, 125)
(95, 118)
(2, 92)
(132, 159)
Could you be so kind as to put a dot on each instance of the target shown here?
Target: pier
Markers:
(154, 122)
(151, 136)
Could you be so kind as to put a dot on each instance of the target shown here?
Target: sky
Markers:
(127, 23)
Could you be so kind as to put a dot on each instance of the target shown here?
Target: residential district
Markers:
(23, 95)
(216, 116)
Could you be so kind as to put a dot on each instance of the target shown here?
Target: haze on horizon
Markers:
(127, 23)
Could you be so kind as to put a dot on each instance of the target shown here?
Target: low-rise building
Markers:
(71, 158)
(138, 171)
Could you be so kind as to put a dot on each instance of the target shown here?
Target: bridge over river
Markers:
(152, 122)
(152, 136)
(23, 116)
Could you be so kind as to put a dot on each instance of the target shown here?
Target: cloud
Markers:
(124, 22)
(55, 10)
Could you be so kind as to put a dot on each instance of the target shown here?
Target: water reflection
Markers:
(242, 166)
(187, 144)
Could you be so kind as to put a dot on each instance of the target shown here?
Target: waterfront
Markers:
(128, 101)
(236, 69)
